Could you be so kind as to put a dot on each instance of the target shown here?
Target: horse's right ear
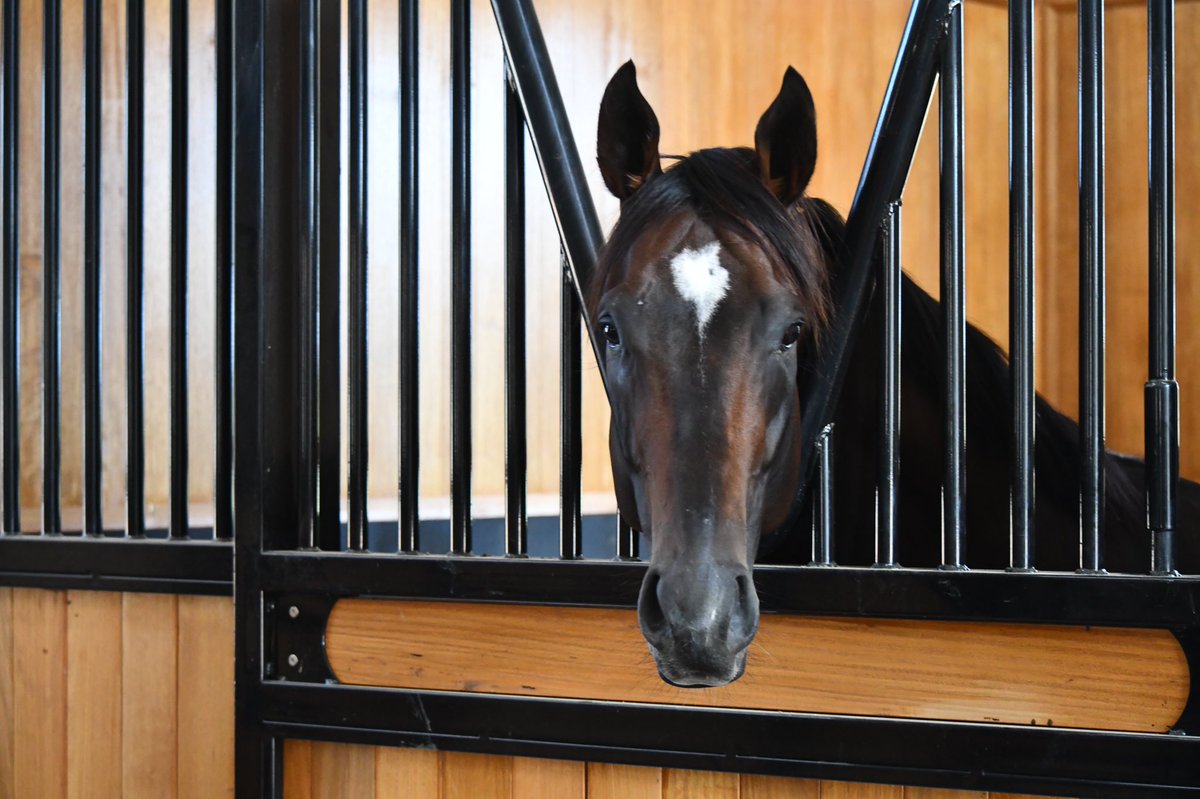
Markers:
(627, 136)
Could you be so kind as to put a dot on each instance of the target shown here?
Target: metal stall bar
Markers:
(328, 231)
(888, 501)
(1021, 277)
(515, 443)
(223, 295)
(570, 429)
(135, 426)
(460, 301)
(356, 348)
(550, 133)
(627, 540)
(307, 443)
(51, 124)
(884, 173)
(179, 260)
(823, 507)
(1091, 281)
(410, 431)
(11, 299)
(92, 517)
(953, 290)
(1162, 392)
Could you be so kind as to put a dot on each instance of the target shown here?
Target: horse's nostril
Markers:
(744, 587)
(649, 608)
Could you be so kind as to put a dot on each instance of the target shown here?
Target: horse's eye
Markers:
(609, 331)
(790, 336)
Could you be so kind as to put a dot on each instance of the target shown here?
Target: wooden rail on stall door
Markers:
(1094, 678)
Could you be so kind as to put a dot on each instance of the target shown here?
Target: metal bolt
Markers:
(293, 611)
(293, 660)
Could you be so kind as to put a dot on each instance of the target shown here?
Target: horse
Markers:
(708, 300)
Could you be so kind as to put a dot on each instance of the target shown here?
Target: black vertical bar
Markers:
(460, 310)
(11, 299)
(135, 480)
(953, 289)
(410, 432)
(823, 506)
(179, 212)
(887, 503)
(1021, 277)
(357, 289)
(1091, 281)
(51, 84)
(92, 521)
(223, 327)
(627, 540)
(307, 443)
(1162, 392)
(514, 323)
(570, 429)
(328, 266)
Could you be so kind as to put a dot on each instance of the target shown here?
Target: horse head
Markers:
(712, 282)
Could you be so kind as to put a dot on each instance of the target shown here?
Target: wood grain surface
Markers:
(1100, 678)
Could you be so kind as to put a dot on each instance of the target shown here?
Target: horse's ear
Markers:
(627, 136)
(786, 139)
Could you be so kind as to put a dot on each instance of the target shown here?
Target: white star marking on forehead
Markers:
(701, 280)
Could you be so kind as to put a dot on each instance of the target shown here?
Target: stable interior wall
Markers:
(709, 69)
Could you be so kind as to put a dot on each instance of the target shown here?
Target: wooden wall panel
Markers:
(612, 781)
(756, 787)
(402, 773)
(7, 719)
(40, 693)
(94, 690)
(205, 647)
(150, 731)
(340, 771)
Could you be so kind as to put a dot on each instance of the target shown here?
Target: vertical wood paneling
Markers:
(150, 713)
(94, 690)
(341, 771)
(297, 770)
(681, 784)
(205, 717)
(40, 693)
(535, 778)
(7, 725)
(613, 781)
(942, 793)
(467, 776)
(757, 787)
(859, 790)
(402, 773)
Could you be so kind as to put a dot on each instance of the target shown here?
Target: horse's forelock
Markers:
(723, 187)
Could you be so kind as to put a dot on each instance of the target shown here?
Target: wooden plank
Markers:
(686, 784)
(7, 722)
(297, 770)
(40, 693)
(613, 781)
(468, 776)
(205, 757)
(859, 790)
(1065, 676)
(755, 786)
(342, 771)
(536, 778)
(94, 694)
(402, 773)
(942, 793)
(150, 710)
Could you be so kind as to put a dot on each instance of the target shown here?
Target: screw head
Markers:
(293, 660)
(293, 611)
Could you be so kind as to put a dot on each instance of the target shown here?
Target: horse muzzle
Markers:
(698, 623)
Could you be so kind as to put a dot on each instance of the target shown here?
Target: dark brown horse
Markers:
(707, 300)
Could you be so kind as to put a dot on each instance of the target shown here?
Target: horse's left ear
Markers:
(786, 139)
